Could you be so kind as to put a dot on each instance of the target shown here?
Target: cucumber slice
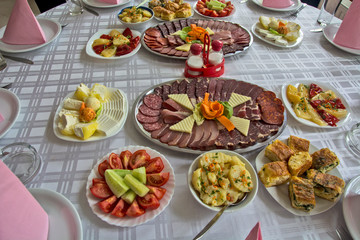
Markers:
(129, 196)
(140, 174)
(122, 172)
(135, 185)
(115, 183)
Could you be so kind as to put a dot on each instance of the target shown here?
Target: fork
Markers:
(7, 86)
(295, 14)
(342, 233)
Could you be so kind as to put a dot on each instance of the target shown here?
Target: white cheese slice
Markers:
(262, 32)
(100, 92)
(281, 41)
(69, 112)
(72, 104)
(241, 124)
(237, 99)
(106, 125)
(183, 100)
(185, 125)
(67, 123)
(272, 37)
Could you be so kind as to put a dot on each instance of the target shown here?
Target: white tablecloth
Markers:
(62, 65)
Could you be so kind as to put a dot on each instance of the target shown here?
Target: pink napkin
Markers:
(111, 1)
(1, 118)
(348, 34)
(277, 3)
(255, 233)
(21, 216)
(23, 28)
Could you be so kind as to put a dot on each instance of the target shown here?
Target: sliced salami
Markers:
(153, 101)
(146, 119)
(149, 111)
(272, 109)
(150, 127)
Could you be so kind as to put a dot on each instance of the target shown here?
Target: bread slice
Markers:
(274, 173)
(326, 186)
(278, 151)
(301, 193)
(299, 163)
(324, 160)
(298, 144)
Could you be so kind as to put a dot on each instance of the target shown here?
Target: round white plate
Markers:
(351, 207)
(330, 31)
(10, 110)
(91, 53)
(161, 20)
(149, 214)
(296, 5)
(64, 220)
(51, 30)
(232, 13)
(290, 44)
(250, 196)
(325, 86)
(281, 192)
(96, 135)
(100, 4)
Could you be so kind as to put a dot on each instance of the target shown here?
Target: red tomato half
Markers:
(214, 14)
(125, 157)
(157, 179)
(159, 192)
(120, 209)
(149, 201)
(102, 167)
(101, 190)
(108, 204)
(134, 210)
(98, 180)
(223, 13)
(155, 165)
(139, 158)
(115, 161)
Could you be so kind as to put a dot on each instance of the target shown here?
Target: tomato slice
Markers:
(214, 14)
(155, 165)
(157, 179)
(125, 157)
(101, 190)
(134, 210)
(208, 12)
(120, 209)
(139, 158)
(149, 201)
(223, 13)
(159, 192)
(127, 33)
(115, 161)
(102, 167)
(108, 204)
(98, 180)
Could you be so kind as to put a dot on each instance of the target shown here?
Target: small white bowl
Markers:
(138, 25)
(250, 196)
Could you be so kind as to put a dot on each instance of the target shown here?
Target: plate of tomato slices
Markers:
(122, 51)
(203, 9)
(160, 180)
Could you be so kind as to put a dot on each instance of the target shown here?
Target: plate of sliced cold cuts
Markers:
(200, 114)
(168, 39)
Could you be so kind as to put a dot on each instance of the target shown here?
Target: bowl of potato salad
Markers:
(221, 177)
(135, 18)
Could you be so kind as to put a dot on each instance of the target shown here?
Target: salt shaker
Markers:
(216, 54)
(195, 59)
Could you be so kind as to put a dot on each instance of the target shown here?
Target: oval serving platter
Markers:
(166, 28)
(146, 134)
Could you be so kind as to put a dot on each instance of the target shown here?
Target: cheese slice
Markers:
(241, 124)
(183, 100)
(185, 125)
(237, 99)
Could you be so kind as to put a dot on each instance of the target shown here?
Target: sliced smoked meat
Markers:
(146, 119)
(171, 117)
(183, 85)
(201, 88)
(272, 109)
(150, 127)
(149, 111)
(153, 101)
(174, 87)
(160, 132)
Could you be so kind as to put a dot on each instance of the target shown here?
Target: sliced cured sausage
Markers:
(149, 111)
(153, 101)
(150, 127)
(146, 119)
(272, 109)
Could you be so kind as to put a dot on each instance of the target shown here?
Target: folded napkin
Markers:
(23, 27)
(255, 233)
(111, 1)
(21, 216)
(277, 3)
(348, 34)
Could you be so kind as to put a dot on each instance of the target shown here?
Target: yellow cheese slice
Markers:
(185, 125)
(237, 99)
(241, 124)
(184, 47)
(183, 100)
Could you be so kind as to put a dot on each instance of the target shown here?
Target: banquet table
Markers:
(63, 64)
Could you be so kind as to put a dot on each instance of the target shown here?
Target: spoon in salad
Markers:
(217, 216)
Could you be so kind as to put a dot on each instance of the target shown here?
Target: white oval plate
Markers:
(281, 192)
(329, 33)
(250, 196)
(351, 207)
(231, 14)
(10, 110)
(150, 214)
(64, 220)
(51, 30)
(290, 44)
(100, 4)
(325, 87)
(296, 5)
(96, 136)
(91, 53)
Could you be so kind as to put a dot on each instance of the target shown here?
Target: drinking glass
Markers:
(2, 62)
(327, 11)
(76, 7)
(352, 139)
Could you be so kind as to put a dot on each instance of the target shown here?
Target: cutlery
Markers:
(342, 233)
(295, 14)
(18, 59)
(64, 25)
(243, 1)
(91, 11)
(142, 3)
(316, 30)
(7, 86)
(217, 216)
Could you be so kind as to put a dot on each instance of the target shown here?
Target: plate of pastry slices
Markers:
(285, 171)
